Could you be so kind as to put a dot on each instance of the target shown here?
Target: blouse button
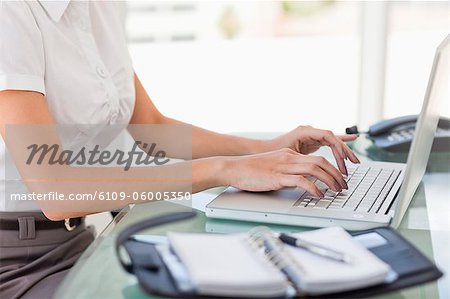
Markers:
(101, 72)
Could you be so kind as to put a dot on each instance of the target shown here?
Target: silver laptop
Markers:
(379, 192)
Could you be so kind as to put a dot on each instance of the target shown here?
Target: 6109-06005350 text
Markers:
(101, 195)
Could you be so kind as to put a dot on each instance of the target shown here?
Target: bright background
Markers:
(272, 65)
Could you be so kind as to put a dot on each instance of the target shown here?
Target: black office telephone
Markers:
(396, 134)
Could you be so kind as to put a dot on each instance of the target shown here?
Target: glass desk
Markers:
(97, 274)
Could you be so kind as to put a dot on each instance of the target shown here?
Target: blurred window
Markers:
(278, 64)
(416, 28)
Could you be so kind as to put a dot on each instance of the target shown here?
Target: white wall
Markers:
(253, 85)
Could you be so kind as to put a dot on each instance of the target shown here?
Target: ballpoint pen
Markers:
(316, 249)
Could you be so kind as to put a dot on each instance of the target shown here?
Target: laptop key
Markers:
(311, 179)
(380, 199)
(312, 203)
(322, 186)
(322, 204)
(334, 207)
(352, 203)
(363, 207)
(330, 193)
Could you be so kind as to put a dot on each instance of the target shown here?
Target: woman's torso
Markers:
(88, 78)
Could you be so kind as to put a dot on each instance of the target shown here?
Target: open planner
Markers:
(257, 264)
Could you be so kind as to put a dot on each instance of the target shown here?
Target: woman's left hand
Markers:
(306, 140)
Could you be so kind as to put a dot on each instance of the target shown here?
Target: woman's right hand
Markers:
(282, 168)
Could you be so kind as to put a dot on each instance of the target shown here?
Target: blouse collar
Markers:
(55, 8)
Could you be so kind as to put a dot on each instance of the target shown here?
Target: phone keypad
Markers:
(401, 135)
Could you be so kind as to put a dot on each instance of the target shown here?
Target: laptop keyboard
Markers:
(368, 187)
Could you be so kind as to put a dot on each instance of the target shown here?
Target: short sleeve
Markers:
(22, 64)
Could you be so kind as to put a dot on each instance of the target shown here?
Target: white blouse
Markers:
(74, 53)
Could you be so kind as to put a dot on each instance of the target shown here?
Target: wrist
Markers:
(224, 167)
(211, 172)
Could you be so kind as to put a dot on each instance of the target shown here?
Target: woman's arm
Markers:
(259, 172)
(204, 143)
(303, 139)
(30, 108)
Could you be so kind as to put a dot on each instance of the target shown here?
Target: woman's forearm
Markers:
(206, 143)
(137, 185)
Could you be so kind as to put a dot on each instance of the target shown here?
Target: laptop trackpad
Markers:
(272, 201)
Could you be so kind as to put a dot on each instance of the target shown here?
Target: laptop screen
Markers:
(436, 93)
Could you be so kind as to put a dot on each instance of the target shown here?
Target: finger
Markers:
(339, 155)
(317, 172)
(337, 147)
(340, 159)
(349, 137)
(300, 181)
(326, 137)
(330, 169)
(312, 169)
(351, 155)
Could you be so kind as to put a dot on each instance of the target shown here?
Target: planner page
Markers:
(321, 275)
(227, 265)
